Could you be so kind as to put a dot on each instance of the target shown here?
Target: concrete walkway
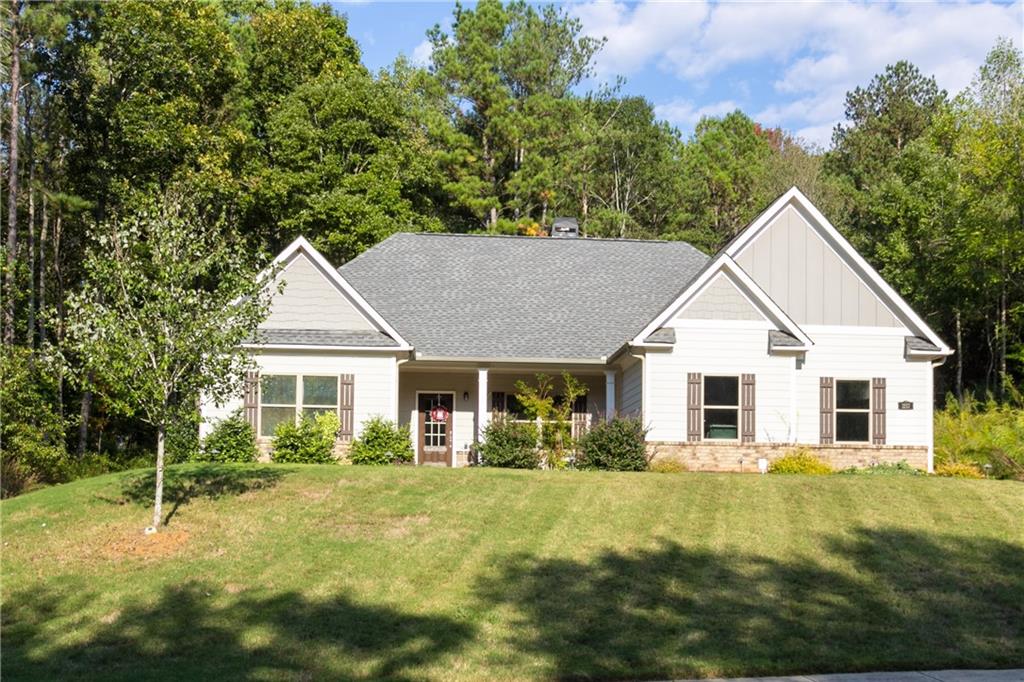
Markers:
(919, 676)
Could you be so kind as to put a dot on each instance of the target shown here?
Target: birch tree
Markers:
(168, 298)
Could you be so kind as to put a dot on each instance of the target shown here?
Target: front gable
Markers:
(316, 306)
(723, 294)
(792, 262)
(720, 300)
(309, 300)
(802, 261)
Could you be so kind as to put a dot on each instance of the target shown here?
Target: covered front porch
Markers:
(447, 405)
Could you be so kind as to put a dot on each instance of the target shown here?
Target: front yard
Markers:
(329, 572)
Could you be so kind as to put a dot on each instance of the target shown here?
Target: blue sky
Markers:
(785, 64)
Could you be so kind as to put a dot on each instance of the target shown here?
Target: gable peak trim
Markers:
(302, 245)
(723, 264)
(834, 239)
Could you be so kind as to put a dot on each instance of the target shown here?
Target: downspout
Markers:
(931, 414)
(398, 414)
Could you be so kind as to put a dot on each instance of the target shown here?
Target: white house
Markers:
(787, 336)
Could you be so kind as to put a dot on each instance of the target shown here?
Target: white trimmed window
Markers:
(721, 408)
(853, 411)
(286, 397)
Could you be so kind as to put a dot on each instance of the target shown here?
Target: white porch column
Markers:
(483, 413)
(609, 393)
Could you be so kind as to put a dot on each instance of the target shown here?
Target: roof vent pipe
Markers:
(565, 228)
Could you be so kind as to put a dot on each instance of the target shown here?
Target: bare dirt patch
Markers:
(137, 545)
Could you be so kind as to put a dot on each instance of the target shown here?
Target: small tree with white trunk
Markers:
(170, 295)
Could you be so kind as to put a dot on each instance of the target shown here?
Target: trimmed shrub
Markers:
(667, 466)
(800, 461)
(510, 444)
(232, 440)
(382, 442)
(958, 470)
(901, 468)
(614, 445)
(311, 441)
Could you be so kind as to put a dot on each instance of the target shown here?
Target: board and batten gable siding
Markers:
(310, 301)
(726, 348)
(374, 382)
(866, 354)
(801, 272)
(720, 300)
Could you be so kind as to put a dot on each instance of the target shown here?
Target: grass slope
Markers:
(320, 572)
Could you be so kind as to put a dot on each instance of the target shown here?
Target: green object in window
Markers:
(277, 389)
(320, 390)
(723, 431)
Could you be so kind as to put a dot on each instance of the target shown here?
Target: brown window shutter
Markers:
(346, 400)
(747, 430)
(497, 401)
(828, 402)
(878, 411)
(251, 400)
(693, 403)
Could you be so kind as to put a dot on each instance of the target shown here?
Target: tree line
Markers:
(264, 117)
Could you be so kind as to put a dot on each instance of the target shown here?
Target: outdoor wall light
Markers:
(465, 396)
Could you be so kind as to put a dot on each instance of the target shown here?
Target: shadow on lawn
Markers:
(187, 634)
(891, 600)
(210, 481)
(879, 599)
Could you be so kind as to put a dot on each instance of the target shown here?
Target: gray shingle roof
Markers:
(324, 337)
(919, 344)
(661, 335)
(520, 297)
(780, 339)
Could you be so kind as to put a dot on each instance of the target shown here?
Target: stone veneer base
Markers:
(703, 456)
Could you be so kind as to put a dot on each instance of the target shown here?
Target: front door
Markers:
(435, 428)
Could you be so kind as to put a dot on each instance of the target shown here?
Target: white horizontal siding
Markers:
(866, 354)
(718, 348)
(632, 390)
(787, 399)
(374, 381)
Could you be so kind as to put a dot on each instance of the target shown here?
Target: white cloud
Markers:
(421, 53)
(686, 114)
(649, 32)
(813, 53)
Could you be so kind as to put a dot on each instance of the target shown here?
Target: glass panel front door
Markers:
(435, 418)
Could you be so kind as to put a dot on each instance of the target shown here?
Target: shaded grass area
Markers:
(316, 572)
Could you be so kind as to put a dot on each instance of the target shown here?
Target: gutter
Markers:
(603, 360)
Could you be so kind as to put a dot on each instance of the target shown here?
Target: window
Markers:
(721, 408)
(853, 411)
(280, 393)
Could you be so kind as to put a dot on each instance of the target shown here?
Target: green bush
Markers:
(31, 429)
(901, 468)
(614, 445)
(799, 461)
(958, 470)
(311, 441)
(667, 466)
(183, 437)
(510, 444)
(231, 440)
(982, 433)
(382, 442)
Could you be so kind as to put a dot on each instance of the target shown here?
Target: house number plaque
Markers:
(906, 405)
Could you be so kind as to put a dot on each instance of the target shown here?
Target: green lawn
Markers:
(332, 572)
